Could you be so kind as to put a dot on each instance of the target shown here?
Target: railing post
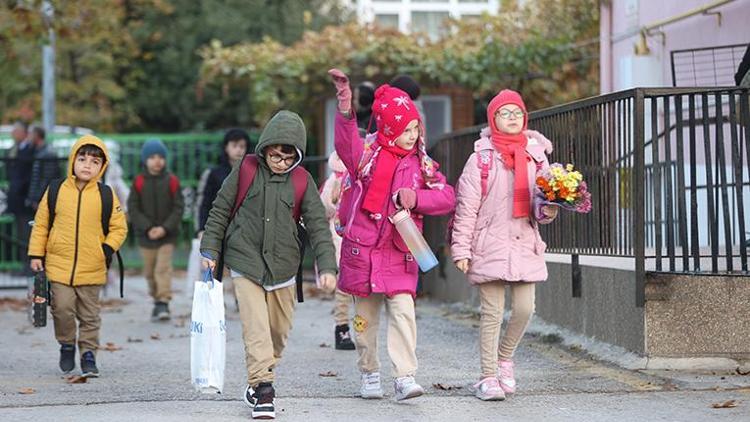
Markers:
(638, 180)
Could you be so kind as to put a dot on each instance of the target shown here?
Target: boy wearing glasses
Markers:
(260, 247)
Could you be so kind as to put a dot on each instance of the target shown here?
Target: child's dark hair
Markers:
(93, 151)
(286, 149)
(236, 135)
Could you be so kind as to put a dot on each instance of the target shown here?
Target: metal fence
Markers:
(708, 66)
(668, 173)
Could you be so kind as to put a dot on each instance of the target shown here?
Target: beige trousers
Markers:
(77, 304)
(492, 306)
(341, 307)
(266, 322)
(401, 334)
(157, 268)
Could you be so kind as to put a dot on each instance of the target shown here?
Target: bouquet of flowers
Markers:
(564, 187)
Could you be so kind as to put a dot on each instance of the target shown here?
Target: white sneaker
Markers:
(371, 388)
(407, 388)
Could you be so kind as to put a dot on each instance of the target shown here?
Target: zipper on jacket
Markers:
(75, 254)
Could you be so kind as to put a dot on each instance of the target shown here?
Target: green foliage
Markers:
(535, 49)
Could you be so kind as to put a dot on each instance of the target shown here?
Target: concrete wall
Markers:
(693, 316)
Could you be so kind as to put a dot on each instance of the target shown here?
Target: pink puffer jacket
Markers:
(499, 246)
(374, 258)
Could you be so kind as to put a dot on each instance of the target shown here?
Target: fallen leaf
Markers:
(76, 379)
(446, 387)
(14, 304)
(726, 405)
(135, 340)
(328, 374)
(739, 371)
(110, 347)
(27, 390)
(155, 336)
(325, 345)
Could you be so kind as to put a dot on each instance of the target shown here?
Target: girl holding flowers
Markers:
(495, 237)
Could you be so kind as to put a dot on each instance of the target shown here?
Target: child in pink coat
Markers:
(390, 170)
(495, 238)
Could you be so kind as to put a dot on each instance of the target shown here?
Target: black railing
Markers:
(707, 66)
(667, 169)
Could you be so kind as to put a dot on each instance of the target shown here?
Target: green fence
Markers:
(189, 155)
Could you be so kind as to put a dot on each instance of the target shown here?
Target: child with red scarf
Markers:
(389, 171)
(495, 238)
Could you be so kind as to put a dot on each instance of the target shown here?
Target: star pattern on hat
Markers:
(402, 101)
(384, 106)
(398, 117)
(387, 130)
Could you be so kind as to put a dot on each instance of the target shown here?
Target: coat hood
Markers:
(284, 128)
(88, 140)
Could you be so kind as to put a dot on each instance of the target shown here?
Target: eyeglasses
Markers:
(505, 114)
(278, 159)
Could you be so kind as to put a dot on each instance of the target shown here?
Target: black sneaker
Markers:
(88, 365)
(343, 338)
(249, 396)
(160, 312)
(67, 357)
(264, 395)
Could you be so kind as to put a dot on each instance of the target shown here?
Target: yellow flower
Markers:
(569, 167)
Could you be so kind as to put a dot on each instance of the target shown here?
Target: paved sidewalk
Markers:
(149, 377)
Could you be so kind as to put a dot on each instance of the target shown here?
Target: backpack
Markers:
(106, 194)
(485, 159)
(174, 184)
(246, 176)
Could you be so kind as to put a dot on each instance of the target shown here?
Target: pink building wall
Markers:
(621, 21)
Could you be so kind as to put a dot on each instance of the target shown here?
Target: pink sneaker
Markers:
(488, 389)
(505, 376)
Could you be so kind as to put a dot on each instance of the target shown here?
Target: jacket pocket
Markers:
(480, 235)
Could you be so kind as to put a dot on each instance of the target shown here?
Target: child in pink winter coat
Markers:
(390, 170)
(495, 239)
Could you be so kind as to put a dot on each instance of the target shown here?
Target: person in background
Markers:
(44, 169)
(21, 158)
(365, 96)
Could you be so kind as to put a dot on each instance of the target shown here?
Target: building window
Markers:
(387, 21)
(431, 23)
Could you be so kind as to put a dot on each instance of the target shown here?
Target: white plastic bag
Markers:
(194, 266)
(208, 336)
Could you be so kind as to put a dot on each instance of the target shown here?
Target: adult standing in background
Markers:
(21, 156)
(44, 169)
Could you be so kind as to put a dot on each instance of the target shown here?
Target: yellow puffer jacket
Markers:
(73, 251)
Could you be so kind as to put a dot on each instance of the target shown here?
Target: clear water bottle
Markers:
(414, 240)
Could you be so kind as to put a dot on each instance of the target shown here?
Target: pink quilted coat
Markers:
(499, 246)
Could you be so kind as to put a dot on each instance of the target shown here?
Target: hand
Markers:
(463, 265)
(36, 265)
(207, 263)
(407, 198)
(156, 233)
(108, 252)
(550, 211)
(327, 282)
(343, 90)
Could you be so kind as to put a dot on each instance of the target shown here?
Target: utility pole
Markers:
(48, 70)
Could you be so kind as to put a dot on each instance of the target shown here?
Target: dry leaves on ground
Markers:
(328, 374)
(155, 336)
(740, 372)
(135, 340)
(726, 405)
(110, 347)
(13, 304)
(27, 390)
(446, 387)
(76, 379)
(324, 345)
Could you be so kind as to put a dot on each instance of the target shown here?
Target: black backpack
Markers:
(107, 202)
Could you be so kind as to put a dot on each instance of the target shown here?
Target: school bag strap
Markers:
(174, 184)
(484, 162)
(107, 199)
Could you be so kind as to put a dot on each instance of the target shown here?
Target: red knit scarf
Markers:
(382, 177)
